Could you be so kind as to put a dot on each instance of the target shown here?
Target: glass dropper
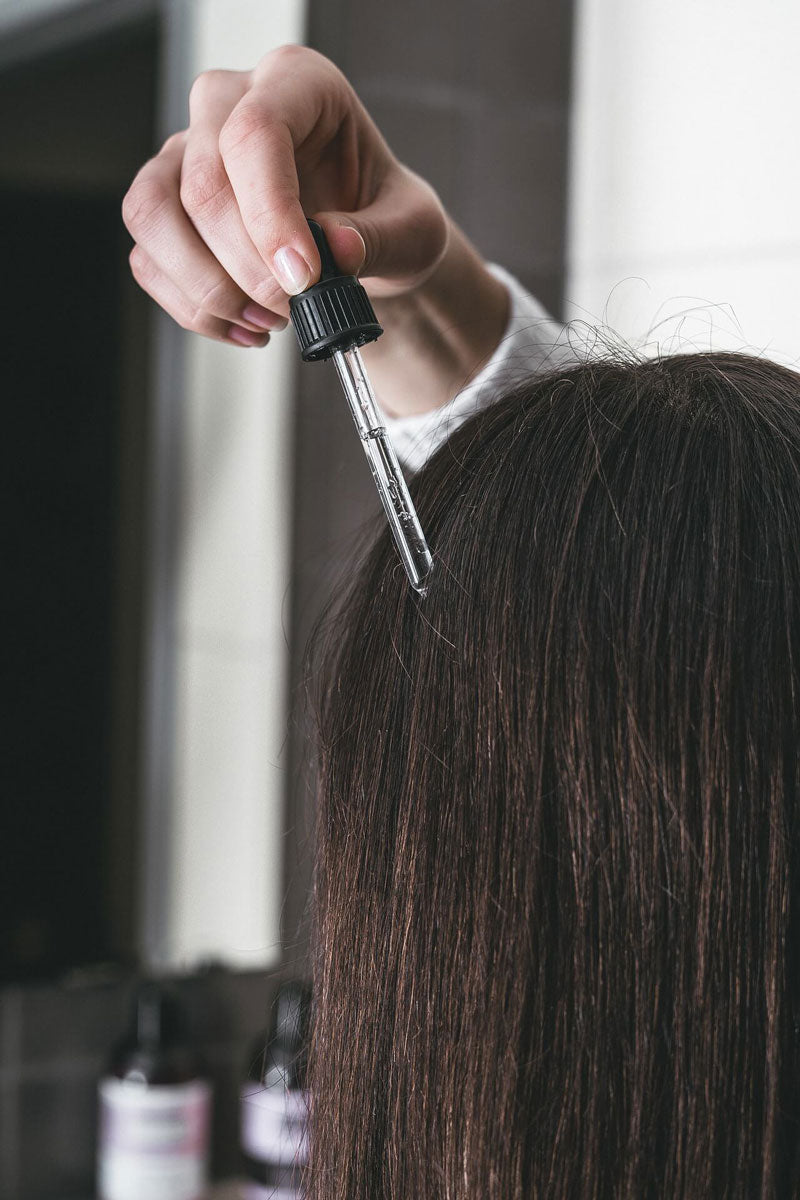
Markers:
(332, 319)
(392, 489)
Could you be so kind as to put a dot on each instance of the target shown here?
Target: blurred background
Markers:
(177, 512)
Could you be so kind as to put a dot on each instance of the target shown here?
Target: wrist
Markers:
(439, 334)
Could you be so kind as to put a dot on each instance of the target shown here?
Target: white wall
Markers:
(685, 180)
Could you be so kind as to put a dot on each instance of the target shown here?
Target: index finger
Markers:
(257, 144)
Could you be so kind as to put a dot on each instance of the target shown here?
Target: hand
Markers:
(218, 216)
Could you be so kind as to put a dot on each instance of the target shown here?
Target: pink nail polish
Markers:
(246, 337)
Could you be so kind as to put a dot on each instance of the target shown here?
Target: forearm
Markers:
(438, 336)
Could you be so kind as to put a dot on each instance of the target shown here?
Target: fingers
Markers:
(173, 250)
(301, 114)
(258, 156)
(166, 293)
(297, 103)
(399, 237)
(207, 196)
(217, 215)
(346, 243)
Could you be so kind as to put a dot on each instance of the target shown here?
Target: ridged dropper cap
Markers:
(333, 314)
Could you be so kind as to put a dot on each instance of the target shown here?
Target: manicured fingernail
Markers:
(292, 271)
(263, 318)
(246, 337)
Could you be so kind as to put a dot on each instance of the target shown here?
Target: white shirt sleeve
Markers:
(533, 342)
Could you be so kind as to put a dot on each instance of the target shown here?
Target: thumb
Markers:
(399, 237)
(347, 244)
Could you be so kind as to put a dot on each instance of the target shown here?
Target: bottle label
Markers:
(153, 1140)
(274, 1124)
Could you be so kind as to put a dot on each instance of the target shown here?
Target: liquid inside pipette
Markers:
(386, 471)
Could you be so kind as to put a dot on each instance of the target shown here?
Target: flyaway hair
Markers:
(557, 890)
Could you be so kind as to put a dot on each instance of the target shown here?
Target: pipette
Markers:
(332, 319)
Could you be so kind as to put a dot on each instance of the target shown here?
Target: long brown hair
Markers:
(557, 921)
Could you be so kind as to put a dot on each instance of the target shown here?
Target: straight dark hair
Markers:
(557, 918)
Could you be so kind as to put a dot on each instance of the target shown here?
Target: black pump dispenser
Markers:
(335, 313)
(286, 1053)
(158, 1020)
(274, 1103)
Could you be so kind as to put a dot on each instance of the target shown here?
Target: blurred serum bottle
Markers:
(155, 1109)
(274, 1102)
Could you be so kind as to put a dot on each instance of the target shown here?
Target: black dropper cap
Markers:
(335, 313)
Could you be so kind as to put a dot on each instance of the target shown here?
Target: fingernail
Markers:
(263, 318)
(292, 271)
(246, 337)
(360, 238)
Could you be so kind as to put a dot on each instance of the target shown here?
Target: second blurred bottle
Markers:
(274, 1101)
